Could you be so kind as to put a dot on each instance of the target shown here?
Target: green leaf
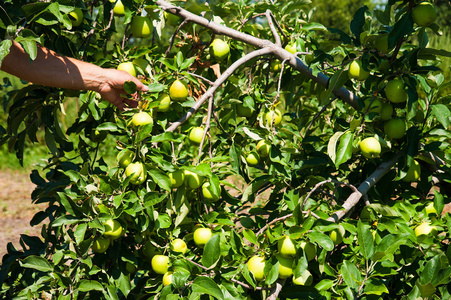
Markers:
(156, 87)
(439, 203)
(161, 179)
(89, 285)
(4, 49)
(130, 87)
(251, 190)
(442, 113)
(250, 236)
(206, 286)
(375, 286)
(80, 233)
(212, 251)
(344, 151)
(37, 263)
(322, 240)
(365, 239)
(431, 269)
(108, 126)
(351, 274)
(358, 22)
(332, 145)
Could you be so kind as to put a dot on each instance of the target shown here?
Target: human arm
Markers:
(52, 69)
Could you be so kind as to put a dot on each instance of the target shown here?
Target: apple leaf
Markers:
(442, 113)
(375, 286)
(37, 263)
(358, 22)
(351, 274)
(344, 151)
(206, 286)
(212, 251)
(365, 239)
(332, 145)
(89, 285)
(322, 240)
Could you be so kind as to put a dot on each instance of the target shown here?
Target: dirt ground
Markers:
(16, 209)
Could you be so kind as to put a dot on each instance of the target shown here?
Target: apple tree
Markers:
(273, 157)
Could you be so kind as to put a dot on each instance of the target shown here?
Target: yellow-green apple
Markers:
(413, 173)
(256, 265)
(395, 92)
(141, 27)
(201, 236)
(357, 71)
(395, 128)
(370, 147)
(137, 171)
(424, 14)
(178, 91)
(160, 263)
(219, 49)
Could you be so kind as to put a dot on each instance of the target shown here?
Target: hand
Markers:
(111, 88)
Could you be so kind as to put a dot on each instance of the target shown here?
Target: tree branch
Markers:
(364, 187)
(276, 289)
(278, 51)
(209, 93)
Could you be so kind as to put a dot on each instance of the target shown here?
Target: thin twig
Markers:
(271, 21)
(247, 20)
(207, 125)
(363, 188)
(201, 77)
(323, 109)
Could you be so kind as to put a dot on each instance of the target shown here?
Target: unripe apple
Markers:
(179, 246)
(131, 268)
(356, 71)
(394, 90)
(413, 173)
(165, 102)
(167, 278)
(178, 91)
(336, 236)
(118, 9)
(76, 17)
(376, 106)
(253, 158)
(386, 112)
(395, 128)
(207, 193)
(219, 49)
(160, 264)
(201, 236)
(127, 67)
(100, 245)
(424, 14)
(309, 249)
(256, 266)
(370, 147)
(274, 115)
(177, 178)
(286, 247)
(305, 279)
(113, 229)
(171, 19)
(196, 134)
(141, 27)
(244, 111)
(124, 158)
(137, 171)
(381, 43)
(291, 48)
(192, 180)
(275, 66)
(142, 118)
(285, 266)
(263, 148)
(426, 229)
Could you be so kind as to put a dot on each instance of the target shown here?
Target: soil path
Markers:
(16, 209)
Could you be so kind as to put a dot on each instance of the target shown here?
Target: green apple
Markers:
(137, 171)
(76, 17)
(430, 209)
(370, 147)
(424, 14)
(171, 19)
(113, 229)
(192, 180)
(178, 91)
(179, 246)
(167, 278)
(305, 279)
(413, 173)
(177, 178)
(131, 268)
(426, 229)
(98, 135)
(219, 49)
(253, 158)
(118, 9)
(285, 266)
(309, 249)
(376, 106)
(291, 48)
(336, 236)
(207, 193)
(356, 71)
(142, 118)
(160, 264)
(381, 44)
(127, 67)
(165, 102)
(386, 112)
(395, 128)
(244, 111)
(196, 134)
(201, 236)
(273, 115)
(256, 265)
(275, 66)
(286, 247)
(141, 27)
(125, 157)
(263, 148)
(394, 90)
(100, 245)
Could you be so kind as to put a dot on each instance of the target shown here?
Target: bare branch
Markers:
(209, 93)
(278, 51)
(276, 289)
(271, 21)
(364, 187)
(207, 125)
(201, 77)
